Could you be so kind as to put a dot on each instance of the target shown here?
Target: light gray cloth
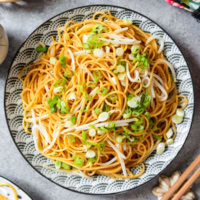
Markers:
(20, 21)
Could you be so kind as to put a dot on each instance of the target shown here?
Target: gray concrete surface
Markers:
(20, 20)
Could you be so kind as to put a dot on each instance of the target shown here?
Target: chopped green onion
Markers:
(81, 87)
(92, 160)
(58, 164)
(135, 50)
(147, 100)
(73, 119)
(119, 139)
(63, 61)
(147, 115)
(105, 108)
(97, 28)
(97, 111)
(93, 126)
(71, 138)
(110, 125)
(91, 84)
(143, 61)
(130, 96)
(64, 108)
(79, 162)
(138, 111)
(52, 103)
(41, 49)
(120, 68)
(101, 146)
(84, 135)
(87, 96)
(102, 91)
(113, 97)
(86, 46)
(66, 166)
(103, 129)
(157, 137)
(115, 72)
(59, 82)
(127, 113)
(97, 75)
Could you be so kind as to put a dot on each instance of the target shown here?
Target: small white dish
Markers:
(3, 44)
(8, 193)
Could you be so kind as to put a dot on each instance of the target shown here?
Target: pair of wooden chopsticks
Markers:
(9, 1)
(181, 180)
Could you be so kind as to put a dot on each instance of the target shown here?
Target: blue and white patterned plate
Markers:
(7, 192)
(14, 111)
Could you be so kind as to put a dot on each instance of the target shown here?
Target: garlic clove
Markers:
(175, 176)
(188, 196)
(159, 192)
(164, 183)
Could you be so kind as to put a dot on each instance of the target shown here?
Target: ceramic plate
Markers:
(7, 192)
(14, 111)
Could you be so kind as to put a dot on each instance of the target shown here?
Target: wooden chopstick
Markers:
(182, 178)
(187, 185)
(9, 1)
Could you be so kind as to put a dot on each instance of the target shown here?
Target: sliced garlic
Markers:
(103, 116)
(92, 132)
(121, 77)
(169, 133)
(90, 154)
(177, 119)
(170, 141)
(180, 112)
(98, 52)
(119, 51)
(53, 60)
(160, 148)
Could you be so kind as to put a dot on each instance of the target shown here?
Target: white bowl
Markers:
(3, 44)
